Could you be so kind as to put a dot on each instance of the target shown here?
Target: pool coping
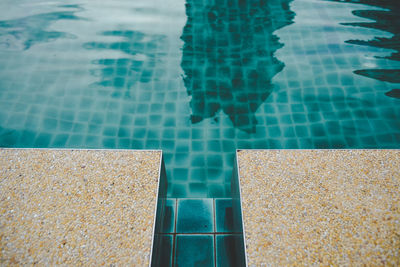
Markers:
(240, 189)
(157, 185)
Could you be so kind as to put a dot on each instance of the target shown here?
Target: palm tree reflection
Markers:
(228, 56)
(27, 31)
(385, 20)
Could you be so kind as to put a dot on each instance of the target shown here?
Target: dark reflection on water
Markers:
(395, 93)
(386, 21)
(228, 56)
(25, 32)
(143, 53)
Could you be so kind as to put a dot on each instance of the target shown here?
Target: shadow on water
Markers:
(23, 33)
(143, 53)
(228, 56)
(385, 20)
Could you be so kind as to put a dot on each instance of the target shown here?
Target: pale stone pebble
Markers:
(321, 207)
(77, 207)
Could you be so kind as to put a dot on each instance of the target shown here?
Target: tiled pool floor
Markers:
(198, 79)
(201, 232)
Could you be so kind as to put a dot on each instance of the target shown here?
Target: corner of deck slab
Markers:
(78, 207)
(324, 207)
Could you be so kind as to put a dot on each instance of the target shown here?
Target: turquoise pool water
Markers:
(199, 79)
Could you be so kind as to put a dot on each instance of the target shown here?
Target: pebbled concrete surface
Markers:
(77, 207)
(321, 207)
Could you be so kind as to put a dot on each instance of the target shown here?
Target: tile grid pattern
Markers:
(121, 85)
(205, 225)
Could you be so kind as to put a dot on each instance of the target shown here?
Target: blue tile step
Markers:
(194, 250)
(195, 216)
(201, 232)
(227, 216)
(230, 251)
(168, 225)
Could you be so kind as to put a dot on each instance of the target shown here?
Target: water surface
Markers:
(199, 79)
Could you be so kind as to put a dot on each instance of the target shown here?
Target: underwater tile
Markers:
(27, 138)
(230, 251)
(214, 146)
(109, 142)
(227, 219)
(65, 126)
(181, 158)
(126, 119)
(214, 160)
(291, 144)
(49, 124)
(168, 134)
(123, 143)
(198, 146)
(169, 216)
(318, 129)
(197, 133)
(167, 145)
(194, 250)
(124, 132)
(216, 190)
(93, 141)
(110, 131)
(198, 189)
(155, 119)
(214, 173)
(274, 131)
(179, 174)
(195, 216)
(112, 117)
(165, 250)
(198, 174)
(140, 121)
(179, 190)
(139, 132)
(42, 140)
(152, 144)
(10, 139)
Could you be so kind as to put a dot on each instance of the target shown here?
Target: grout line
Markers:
(214, 215)
(215, 250)
(176, 214)
(205, 233)
(174, 232)
(214, 236)
(173, 249)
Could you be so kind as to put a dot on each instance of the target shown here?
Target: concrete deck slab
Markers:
(321, 207)
(77, 207)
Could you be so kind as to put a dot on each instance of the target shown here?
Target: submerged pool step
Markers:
(200, 232)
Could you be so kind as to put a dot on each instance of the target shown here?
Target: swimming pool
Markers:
(200, 79)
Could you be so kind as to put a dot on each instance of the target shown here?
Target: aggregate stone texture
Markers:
(77, 207)
(321, 207)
